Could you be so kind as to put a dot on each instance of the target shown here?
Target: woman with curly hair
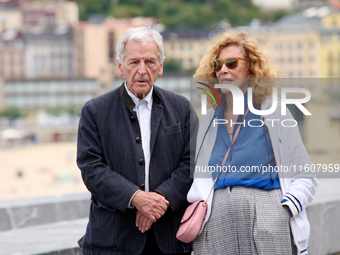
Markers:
(249, 212)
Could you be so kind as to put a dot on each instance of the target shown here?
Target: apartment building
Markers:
(23, 14)
(49, 13)
(117, 27)
(187, 46)
(330, 46)
(91, 48)
(296, 54)
(294, 43)
(50, 54)
(12, 55)
(53, 51)
(48, 93)
(305, 46)
(95, 44)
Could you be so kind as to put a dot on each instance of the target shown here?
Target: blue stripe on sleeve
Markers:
(303, 250)
(293, 203)
(296, 200)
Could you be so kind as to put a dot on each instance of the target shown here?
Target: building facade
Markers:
(50, 54)
(91, 49)
(24, 14)
(2, 93)
(12, 55)
(186, 46)
(330, 46)
(44, 94)
(296, 54)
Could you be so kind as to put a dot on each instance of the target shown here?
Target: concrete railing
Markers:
(46, 225)
(324, 217)
(52, 225)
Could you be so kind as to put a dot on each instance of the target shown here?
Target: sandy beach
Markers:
(39, 170)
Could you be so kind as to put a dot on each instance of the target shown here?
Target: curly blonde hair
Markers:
(259, 63)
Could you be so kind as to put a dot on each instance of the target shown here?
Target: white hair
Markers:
(143, 35)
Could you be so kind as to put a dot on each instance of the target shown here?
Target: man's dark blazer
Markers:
(111, 161)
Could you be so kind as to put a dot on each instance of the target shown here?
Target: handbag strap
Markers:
(227, 153)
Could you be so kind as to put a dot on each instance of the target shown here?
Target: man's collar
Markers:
(147, 98)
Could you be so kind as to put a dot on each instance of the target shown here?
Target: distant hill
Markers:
(180, 13)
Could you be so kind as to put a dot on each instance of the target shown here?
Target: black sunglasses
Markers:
(230, 63)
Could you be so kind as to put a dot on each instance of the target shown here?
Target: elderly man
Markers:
(134, 155)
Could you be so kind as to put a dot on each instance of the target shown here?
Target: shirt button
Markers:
(141, 162)
(137, 139)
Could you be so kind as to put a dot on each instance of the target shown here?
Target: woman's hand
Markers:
(287, 210)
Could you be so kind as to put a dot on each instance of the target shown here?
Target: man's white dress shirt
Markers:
(143, 109)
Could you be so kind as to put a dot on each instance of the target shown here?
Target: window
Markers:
(190, 61)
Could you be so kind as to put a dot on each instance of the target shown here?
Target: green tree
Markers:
(87, 7)
(238, 13)
(153, 8)
(172, 65)
(131, 2)
(126, 11)
(56, 111)
(12, 113)
(180, 13)
(74, 109)
(272, 16)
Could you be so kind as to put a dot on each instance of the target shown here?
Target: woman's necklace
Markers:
(230, 133)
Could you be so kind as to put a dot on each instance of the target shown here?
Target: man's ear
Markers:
(160, 70)
(120, 71)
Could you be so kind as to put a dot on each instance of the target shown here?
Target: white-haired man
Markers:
(134, 155)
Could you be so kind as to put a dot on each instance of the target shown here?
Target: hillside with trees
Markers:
(180, 13)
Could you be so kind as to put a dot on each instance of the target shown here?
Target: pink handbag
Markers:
(194, 215)
(192, 221)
